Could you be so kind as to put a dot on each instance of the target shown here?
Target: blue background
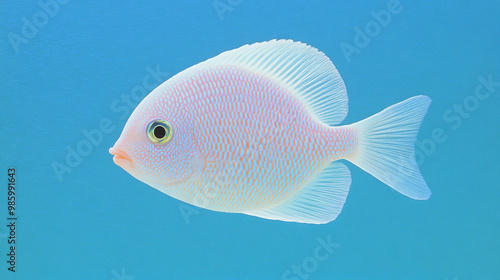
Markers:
(99, 220)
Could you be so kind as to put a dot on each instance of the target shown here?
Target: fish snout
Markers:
(121, 158)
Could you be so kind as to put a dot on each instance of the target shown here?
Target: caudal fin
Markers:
(387, 146)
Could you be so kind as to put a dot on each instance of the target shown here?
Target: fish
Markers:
(257, 131)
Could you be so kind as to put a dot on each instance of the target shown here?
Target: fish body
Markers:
(255, 131)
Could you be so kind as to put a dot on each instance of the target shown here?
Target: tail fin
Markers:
(386, 146)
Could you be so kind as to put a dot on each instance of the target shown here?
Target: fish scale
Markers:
(284, 138)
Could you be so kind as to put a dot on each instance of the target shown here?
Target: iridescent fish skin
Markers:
(252, 133)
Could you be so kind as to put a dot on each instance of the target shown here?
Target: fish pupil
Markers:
(159, 132)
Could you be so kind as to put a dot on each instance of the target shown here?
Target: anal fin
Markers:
(318, 202)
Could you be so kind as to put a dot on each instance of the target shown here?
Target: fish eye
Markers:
(159, 131)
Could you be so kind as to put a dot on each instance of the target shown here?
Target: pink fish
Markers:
(256, 130)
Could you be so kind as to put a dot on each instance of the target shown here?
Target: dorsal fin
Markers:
(305, 71)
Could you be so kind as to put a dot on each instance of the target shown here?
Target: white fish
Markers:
(256, 131)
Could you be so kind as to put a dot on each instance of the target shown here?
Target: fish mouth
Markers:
(121, 158)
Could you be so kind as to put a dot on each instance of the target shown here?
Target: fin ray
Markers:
(307, 72)
(318, 202)
(387, 146)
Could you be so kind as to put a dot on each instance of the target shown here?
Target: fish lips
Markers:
(121, 158)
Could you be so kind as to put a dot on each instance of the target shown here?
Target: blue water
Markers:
(95, 221)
